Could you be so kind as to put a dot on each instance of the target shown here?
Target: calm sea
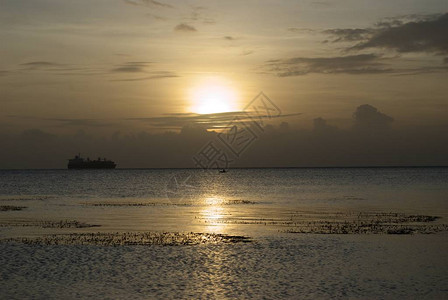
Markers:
(253, 202)
(174, 199)
(421, 186)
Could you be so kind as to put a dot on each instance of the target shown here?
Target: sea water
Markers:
(251, 202)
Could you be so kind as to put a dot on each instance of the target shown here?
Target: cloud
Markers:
(59, 68)
(321, 126)
(148, 3)
(37, 135)
(182, 27)
(42, 65)
(197, 14)
(301, 30)
(367, 117)
(65, 122)
(156, 17)
(248, 52)
(421, 34)
(348, 34)
(208, 121)
(279, 146)
(351, 64)
(156, 75)
(38, 64)
(229, 38)
(81, 122)
(132, 67)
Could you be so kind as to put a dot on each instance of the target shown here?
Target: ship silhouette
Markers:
(80, 163)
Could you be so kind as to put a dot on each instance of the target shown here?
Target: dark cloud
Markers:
(131, 67)
(149, 3)
(399, 20)
(422, 36)
(370, 142)
(348, 34)
(208, 121)
(351, 64)
(321, 126)
(367, 117)
(413, 34)
(184, 28)
(229, 38)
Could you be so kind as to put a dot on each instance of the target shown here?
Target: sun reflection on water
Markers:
(213, 214)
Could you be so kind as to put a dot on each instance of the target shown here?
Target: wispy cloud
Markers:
(148, 3)
(301, 30)
(349, 34)
(67, 122)
(198, 15)
(132, 67)
(182, 27)
(81, 122)
(208, 121)
(156, 17)
(404, 34)
(40, 64)
(422, 36)
(247, 52)
(351, 64)
(106, 71)
(155, 75)
(59, 68)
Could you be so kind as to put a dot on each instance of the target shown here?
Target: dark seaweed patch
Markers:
(133, 238)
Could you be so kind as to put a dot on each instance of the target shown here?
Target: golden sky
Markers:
(103, 66)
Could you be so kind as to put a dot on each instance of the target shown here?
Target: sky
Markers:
(149, 83)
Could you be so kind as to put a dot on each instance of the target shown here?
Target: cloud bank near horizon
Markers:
(370, 141)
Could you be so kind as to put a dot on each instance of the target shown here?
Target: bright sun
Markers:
(213, 95)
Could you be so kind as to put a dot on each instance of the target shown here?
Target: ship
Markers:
(80, 163)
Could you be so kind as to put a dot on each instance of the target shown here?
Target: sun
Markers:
(213, 95)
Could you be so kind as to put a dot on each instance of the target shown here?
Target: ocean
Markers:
(314, 233)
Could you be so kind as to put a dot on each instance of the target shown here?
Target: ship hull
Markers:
(80, 163)
(91, 167)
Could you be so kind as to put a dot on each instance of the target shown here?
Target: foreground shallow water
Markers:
(297, 266)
